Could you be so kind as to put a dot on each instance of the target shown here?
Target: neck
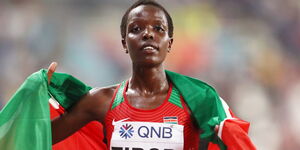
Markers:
(148, 80)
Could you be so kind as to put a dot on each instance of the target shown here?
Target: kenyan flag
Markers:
(25, 121)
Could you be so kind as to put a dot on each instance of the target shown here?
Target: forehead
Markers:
(147, 12)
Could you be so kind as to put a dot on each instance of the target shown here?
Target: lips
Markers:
(148, 48)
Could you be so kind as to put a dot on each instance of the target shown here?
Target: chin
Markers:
(150, 63)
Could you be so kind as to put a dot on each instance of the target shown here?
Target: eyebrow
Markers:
(138, 19)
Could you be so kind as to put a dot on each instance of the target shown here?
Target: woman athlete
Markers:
(146, 111)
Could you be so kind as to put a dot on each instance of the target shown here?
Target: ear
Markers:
(124, 45)
(170, 44)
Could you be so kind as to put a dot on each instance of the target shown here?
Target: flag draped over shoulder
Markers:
(67, 90)
(211, 111)
(25, 120)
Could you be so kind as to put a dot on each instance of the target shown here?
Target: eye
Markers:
(135, 29)
(159, 28)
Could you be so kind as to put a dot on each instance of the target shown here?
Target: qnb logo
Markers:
(126, 131)
(155, 132)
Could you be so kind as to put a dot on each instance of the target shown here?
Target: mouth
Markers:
(149, 49)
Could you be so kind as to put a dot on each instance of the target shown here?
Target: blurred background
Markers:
(249, 50)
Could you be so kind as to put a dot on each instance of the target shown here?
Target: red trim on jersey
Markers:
(147, 110)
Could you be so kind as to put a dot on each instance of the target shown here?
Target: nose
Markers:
(148, 34)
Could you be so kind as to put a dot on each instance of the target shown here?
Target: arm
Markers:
(74, 119)
(92, 106)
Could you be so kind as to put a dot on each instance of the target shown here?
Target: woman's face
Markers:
(147, 39)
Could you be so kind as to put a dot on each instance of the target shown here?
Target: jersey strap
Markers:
(175, 97)
(119, 96)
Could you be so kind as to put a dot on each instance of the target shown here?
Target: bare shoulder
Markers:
(100, 99)
(103, 93)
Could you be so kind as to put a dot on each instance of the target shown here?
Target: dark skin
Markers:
(147, 27)
(148, 43)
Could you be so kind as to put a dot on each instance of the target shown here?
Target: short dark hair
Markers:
(123, 25)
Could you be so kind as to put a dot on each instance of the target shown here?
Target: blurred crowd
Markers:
(249, 50)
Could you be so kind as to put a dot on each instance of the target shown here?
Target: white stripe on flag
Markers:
(226, 108)
(228, 116)
(54, 103)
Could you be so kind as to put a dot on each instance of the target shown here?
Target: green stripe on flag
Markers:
(203, 102)
(25, 120)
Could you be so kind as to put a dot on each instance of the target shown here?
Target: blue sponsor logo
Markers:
(126, 131)
(152, 132)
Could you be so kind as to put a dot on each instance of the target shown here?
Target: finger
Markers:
(51, 70)
(217, 128)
